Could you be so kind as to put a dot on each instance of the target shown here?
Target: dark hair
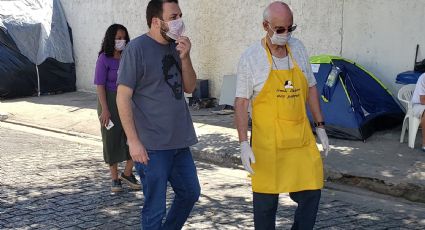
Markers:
(154, 9)
(108, 43)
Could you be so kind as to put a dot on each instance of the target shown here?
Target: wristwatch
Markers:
(319, 123)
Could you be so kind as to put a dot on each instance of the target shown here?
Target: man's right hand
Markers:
(138, 152)
(247, 156)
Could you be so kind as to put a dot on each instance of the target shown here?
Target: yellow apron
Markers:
(286, 156)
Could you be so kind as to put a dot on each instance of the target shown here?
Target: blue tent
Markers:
(354, 102)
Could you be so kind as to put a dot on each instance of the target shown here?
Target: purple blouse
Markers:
(106, 72)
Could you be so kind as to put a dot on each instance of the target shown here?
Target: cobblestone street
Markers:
(56, 181)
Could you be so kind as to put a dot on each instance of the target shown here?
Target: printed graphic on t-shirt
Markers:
(172, 75)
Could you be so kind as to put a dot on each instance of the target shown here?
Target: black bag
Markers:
(419, 66)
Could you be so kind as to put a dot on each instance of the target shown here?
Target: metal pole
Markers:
(416, 56)
(38, 81)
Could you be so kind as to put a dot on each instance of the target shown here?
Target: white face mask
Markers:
(280, 39)
(175, 28)
(120, 44)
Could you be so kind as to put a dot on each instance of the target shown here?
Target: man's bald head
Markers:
(278, 10)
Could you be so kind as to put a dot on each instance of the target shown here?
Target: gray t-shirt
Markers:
(160, 112)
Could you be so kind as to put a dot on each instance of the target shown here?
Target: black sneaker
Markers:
(131, 181)
(116, 186)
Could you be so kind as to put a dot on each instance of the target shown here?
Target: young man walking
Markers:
(154, 72)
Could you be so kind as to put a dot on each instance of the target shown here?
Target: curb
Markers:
(407, 191)
(60, 131)
(411, 192)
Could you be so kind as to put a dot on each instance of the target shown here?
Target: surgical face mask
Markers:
(280, 39)
(120, 44)
(175, 28)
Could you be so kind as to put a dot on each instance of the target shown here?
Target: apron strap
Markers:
(269, 54)
(294, 63)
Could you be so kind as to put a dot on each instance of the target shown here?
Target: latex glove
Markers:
(323, 137)
(247, 156)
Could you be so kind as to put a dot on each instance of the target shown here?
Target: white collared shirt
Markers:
(254, 67)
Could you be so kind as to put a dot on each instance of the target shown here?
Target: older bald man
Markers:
(274, 83)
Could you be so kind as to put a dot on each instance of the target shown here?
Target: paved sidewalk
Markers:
(63, 183)
(381, 164)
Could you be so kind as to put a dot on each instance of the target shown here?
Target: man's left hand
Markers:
(183, 47)
(323, 137)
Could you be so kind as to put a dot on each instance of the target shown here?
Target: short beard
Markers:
(164, 35)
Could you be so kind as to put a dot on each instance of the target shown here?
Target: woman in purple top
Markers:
(115, 149)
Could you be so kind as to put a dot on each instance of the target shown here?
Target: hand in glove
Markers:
(247, 156)
(323, 137)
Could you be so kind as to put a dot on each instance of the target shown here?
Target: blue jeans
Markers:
(177, 167)
(265, 207)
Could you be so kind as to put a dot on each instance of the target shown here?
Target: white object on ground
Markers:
(228, 90)
(3, 116)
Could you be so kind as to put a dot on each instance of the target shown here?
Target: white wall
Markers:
(222, 29)
(89, 21)
(382, 35)
(379, 34)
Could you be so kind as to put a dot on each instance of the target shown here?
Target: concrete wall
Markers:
(221, 30)
(379, 36)
(89, 21)
(382, 35)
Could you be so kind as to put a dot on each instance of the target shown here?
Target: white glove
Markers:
(323, 137)
(247, 156)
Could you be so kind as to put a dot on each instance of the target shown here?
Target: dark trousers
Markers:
(265, 207)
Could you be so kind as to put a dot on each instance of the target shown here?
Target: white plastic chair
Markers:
(405, 96)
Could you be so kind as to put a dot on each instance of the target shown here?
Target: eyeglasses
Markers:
(283, 30)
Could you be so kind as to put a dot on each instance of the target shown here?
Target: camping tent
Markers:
(353, 101)
(36, 49)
